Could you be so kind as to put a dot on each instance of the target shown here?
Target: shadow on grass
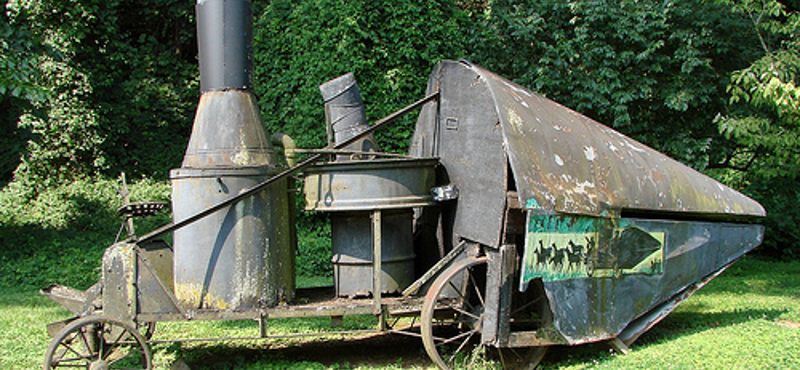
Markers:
(33, 257)
(673, 327)
(679, 324)
(377, 350)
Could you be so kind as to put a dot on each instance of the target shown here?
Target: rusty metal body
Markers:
(605, 227)
(579, 234)
(353, 187)
(351, 191)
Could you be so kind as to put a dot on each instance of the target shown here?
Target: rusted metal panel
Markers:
(463, 131)
(78, 302)
(566, 162)
(370, 184)
(352, 235)
(614, 228)
(345, 115)
(241, 256)
(228, 132)
(119, 282)
(225, 43)
(154, 285)
(352, 191)
(651, 318)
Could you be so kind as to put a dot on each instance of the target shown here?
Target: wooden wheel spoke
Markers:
(86, 345)
(82, 366)
(463, 311)
(72, 359)
(80, 355)
(101, 349)
(102, 338)
(457, 290)
(462, 345)
(457, 337)
(118, 339)
(477, 289)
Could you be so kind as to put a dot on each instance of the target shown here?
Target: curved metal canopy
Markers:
(568, 163)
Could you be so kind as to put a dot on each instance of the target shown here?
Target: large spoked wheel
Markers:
(98, 343)
(452, 314)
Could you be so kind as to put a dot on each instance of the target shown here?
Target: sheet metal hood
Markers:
(568, 163)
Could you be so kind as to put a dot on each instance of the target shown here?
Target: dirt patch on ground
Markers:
(788, 324)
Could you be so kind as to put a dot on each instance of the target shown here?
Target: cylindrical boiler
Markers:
(241, 256)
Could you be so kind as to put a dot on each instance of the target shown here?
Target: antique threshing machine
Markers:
(513, 224)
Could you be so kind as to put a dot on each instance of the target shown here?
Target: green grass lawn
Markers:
(748, 318)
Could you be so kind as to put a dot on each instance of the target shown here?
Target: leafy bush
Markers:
(122, 94)
(390, 47)
(60, 235)
(654, 70)
(314, 249)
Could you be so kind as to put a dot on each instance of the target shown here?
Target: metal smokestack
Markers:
(227, 129)
(345, 115)
(241, 256)
(225, 34)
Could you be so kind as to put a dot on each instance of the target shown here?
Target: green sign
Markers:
(567, 247)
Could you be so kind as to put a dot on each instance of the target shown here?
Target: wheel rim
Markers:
(452, 314)
(98, 343)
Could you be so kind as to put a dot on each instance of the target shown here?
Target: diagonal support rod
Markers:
(303, 164)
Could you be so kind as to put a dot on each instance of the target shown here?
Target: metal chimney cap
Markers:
(338, 86)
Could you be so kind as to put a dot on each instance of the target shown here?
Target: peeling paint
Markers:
(558, 160)
(588, 151)
(191, 296)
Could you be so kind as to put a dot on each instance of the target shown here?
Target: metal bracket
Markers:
(445, 193)
(168, 292)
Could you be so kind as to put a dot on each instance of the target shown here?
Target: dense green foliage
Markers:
(90, 88)
(121, 97)
(61, 235)
(765, 122)
(389, 46)
(657, 71)
(20, 50)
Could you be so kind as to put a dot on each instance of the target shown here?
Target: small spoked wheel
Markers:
(98, 343)
(452, 315)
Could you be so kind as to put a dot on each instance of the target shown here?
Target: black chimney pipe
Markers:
(224, 40)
